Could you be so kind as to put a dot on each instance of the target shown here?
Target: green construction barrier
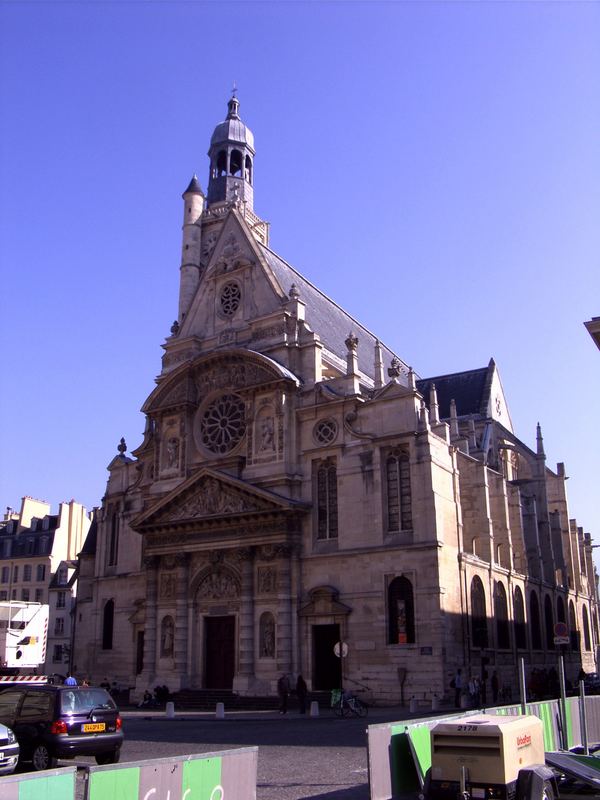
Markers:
(52, 784)
(228, 774)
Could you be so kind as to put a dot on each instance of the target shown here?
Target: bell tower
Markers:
(231, 156)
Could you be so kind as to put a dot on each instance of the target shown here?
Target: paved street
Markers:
(324, 758)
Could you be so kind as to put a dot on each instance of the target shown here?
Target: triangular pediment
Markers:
(211, 496)
(236, 255)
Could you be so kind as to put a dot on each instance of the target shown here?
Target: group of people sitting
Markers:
(159, 698)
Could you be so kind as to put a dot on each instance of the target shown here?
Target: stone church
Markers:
(298, 485)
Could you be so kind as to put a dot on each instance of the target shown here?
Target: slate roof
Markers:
(331, 322)
(20, 543)
(89, 546)
(470, 391)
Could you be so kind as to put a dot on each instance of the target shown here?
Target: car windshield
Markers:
(82, 701)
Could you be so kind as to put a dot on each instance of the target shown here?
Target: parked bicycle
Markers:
(346, 704)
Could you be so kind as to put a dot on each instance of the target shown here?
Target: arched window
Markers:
(222, 163)
(479, 632)
(549, 622)
(401, 612)
(248, 171)
(501, 614)
(399, 503)
(520, 629)
(108, 619)
(534, 622)
(266, 628)
(573, 632)
(235, 163)
(586, 630)
(560, 610)
(327, 521)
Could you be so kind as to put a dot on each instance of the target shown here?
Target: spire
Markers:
(379, 379)
(423, 417)
(454, 432)
(433, 405)
(540, 441)
(193, 187)
(233, 108)
(231, 155)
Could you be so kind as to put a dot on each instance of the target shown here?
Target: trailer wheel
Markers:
(548, 791)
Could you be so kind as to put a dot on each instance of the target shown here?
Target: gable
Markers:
(236, 285)
(209, 497)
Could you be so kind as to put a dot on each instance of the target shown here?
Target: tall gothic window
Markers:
(549, 621)
(586, 630)
(560, 610)
(108, 619)
(401, 612)
(501, 614)
(399, 510)
(327, 512)
(520, 629)
(573, 632)
(113, 542)
(479, 632)
(534, 622)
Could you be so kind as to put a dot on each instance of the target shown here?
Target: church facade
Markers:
(298, 485)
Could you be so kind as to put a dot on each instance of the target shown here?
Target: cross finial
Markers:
(234, 89)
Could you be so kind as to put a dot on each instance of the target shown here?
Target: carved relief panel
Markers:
(265, 430)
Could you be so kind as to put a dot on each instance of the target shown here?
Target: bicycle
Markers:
(345, 704)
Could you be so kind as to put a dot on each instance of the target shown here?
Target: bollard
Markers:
(170, 710)
(314, 708)
(220, 711)
(464, 701)
(435, 703)
(414, 706)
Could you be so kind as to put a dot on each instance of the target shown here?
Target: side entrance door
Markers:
(219, 647)
(326, 665)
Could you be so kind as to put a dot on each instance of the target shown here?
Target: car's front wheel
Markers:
(42, 758)
(108, 758)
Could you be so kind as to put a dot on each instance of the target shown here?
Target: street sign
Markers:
(561, 633)
(340, 649)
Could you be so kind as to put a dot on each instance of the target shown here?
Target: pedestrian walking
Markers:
(301, 692)
(457, 684)
(70, 680)
(283, 690)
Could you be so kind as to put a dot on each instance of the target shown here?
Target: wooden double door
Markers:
(219, 652)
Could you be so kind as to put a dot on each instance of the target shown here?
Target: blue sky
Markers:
(434, 167)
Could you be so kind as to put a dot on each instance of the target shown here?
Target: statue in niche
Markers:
(267, 636)
(166, 637)
(173, 452)
(267, 434)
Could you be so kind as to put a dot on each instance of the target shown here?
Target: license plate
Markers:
(93, 727)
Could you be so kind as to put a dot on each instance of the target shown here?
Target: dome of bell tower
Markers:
(231, 156)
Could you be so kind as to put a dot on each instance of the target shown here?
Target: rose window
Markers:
(223, 424)
(231, 296)
(326, 431)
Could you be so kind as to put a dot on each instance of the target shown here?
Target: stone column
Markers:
(149, 671)
(245, 557)
(284, 609)
(180, 643)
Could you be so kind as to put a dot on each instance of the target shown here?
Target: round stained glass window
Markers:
(231, 296)
(223, 424)
(326, 431)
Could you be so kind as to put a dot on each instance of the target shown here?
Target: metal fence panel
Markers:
(53, 784)
(226, 775)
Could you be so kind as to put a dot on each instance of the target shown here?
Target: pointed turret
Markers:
(193, 206)
(379, 377)
(434, 409)
(540, 441)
